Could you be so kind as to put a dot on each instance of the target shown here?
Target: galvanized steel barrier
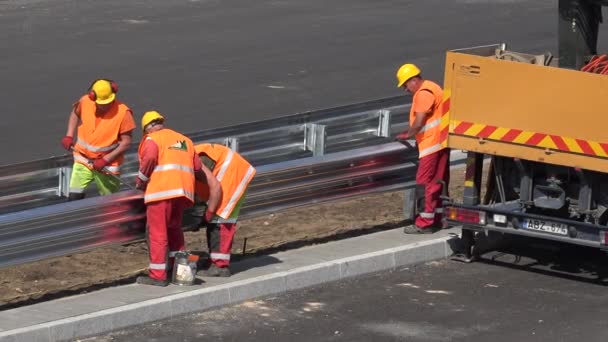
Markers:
(301, 159)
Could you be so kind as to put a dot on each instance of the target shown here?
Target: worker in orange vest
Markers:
(234, 174)
(425, 125)
(104, 134)
(168, 168)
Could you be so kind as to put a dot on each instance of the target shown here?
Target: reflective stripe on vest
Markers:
(168, 167)
(175, 193)
(430, 150)
(430, 125)
(225, 165)
(95, 148)
(220, 256)
(238, 192)
(89, 164)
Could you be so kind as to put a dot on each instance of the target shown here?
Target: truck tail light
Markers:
(604, 237)
(466, 215)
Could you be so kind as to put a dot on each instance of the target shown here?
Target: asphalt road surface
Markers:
(529, 291)
(212, 63)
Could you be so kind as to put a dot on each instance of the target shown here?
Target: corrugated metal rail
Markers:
(301, 159)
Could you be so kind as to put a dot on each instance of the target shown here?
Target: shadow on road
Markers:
(546, 257)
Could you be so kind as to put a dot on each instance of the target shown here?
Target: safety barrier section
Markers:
(46, 182)
(70, 227)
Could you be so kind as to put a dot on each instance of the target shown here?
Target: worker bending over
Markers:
(167, 172)
(234, 174)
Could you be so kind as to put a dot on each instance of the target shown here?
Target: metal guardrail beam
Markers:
(70, 227)
(78, 226)
(302, 159)
(45, 182)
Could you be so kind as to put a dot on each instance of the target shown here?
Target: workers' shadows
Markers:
(240, 263)
(544, 257)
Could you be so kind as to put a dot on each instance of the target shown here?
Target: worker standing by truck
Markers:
(167, 172)
(104, 134)
(234, 174)
(425, 125)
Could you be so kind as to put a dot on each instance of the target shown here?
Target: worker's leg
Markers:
(425, 175)
(442, 177)
(82, 176)
(158, 214)
(213, 240)
(175, 232)
(220, 234)
(220, 255)
(106, 184)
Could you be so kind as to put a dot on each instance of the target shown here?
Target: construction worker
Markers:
(433, 169)
(104, 134)
(167, 172)
(234, 174)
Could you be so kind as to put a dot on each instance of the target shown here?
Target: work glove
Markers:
(67, 142)
(209, 215)
(206, 218)
(140, 184)
(402, 136)
(99, 164)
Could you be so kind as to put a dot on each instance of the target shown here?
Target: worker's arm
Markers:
(417, 125)
(68, 140)
(123, 144)
(72, 123)
(423, 104)
(148, 159)
(205, 176)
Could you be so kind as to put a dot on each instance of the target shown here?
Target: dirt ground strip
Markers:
(85, 272)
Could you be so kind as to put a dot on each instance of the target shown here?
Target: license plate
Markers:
(545, 227)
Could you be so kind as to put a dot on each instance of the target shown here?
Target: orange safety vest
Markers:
(173, 175)
(232, 171)
(428, 139)
(95, 141)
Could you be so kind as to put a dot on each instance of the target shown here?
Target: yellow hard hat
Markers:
(103, 91)
(149, 117)
(405, 72)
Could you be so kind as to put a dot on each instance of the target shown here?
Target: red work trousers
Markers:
(165, 235)
(219, 241)
(432, 168)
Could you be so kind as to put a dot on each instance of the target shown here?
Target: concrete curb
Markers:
(214, 296)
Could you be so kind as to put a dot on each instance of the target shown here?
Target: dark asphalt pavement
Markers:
(212, 63)
(526, 292)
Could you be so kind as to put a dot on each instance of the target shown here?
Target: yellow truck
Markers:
(545, 130)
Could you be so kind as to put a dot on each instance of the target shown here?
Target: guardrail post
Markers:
(314, 138)
(65, 173)
(232, 143)
(384, 124)
(409, 204)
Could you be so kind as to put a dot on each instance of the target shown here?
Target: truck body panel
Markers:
(528, 111)
(545, 131)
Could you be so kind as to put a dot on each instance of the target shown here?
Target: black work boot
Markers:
(75, 196)
(145, 280)
(214, 271)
